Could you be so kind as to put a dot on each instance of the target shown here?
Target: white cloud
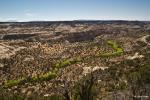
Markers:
(28, 14)
(8, 19)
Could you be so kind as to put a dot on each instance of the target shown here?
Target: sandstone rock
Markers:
(23, 90)
(1, 65)
(29, 93)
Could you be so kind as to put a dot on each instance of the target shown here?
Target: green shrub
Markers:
(11, 83)
(63, 64)
(140, 76)
(85, 89)
(114, 45)
(67, 62)
(56, 97)
(45, 77)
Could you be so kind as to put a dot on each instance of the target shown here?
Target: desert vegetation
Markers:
(80, 60)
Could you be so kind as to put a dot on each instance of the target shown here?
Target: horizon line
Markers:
(75, 20)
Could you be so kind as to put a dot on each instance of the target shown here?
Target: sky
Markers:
(58, 10)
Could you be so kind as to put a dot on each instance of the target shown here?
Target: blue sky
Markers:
(31, 10)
